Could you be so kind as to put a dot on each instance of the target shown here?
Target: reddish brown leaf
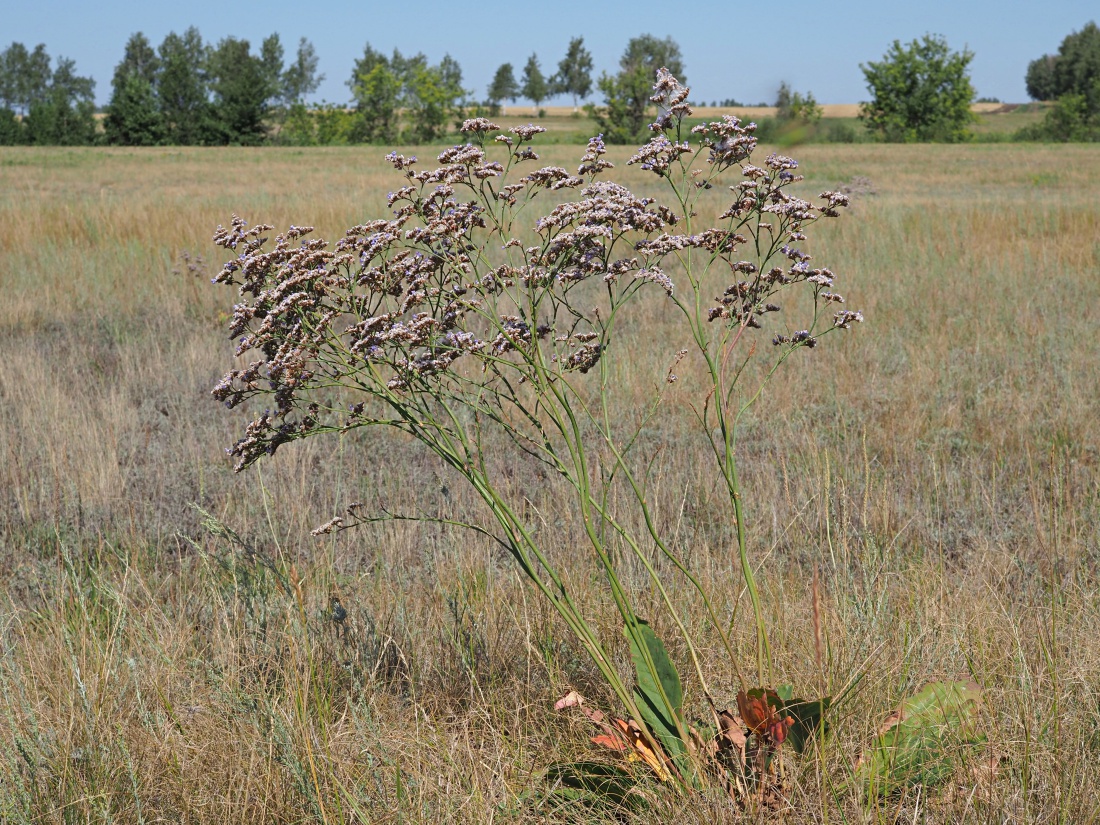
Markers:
(759, 709)
(754, 710)
(621, 735)
(614, 743)
(732, 730)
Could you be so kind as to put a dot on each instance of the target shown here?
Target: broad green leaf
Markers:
(660, 716)
(596, 783)
(808, 717)
(809, 720)
(925, 740)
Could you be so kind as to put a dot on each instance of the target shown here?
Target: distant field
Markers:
(940, 468)
(829, 110)
(565, 125)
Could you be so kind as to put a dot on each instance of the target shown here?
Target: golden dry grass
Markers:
(939, 467)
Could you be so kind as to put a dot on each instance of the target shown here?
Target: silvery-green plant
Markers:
(465, 322)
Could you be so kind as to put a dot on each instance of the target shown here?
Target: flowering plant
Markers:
(459, 321)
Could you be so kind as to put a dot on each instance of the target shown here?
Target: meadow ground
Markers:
(939, 468)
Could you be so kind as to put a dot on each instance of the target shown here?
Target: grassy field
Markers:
(939, 468)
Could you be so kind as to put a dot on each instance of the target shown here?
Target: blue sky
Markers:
(814, 46)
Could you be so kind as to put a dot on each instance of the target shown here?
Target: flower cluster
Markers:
(593, 161)
(671, 99)
(727, 141)
(404, 300)
(659, 154)
(399, 305)
(479, 124)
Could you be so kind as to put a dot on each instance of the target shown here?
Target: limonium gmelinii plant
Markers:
(466, 322)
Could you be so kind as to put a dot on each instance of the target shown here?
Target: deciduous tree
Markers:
(376, 97)
(792, 106)
(1072, 77)
(133, 115)
(1077, 67)
(574, 75)
(648, 54)
(182, 88)
(242, 87)
(24, 76)
(1040, 78)
(64, 116)
(626, 95)
(11, 128)
(919, 92)
(503, 87)
(10, 59)
(301, 78)
(451, 74)
(533, 83)
(272, 56)
(381, 86)
(431, 103)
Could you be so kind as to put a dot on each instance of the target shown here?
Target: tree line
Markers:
(183, 92)
(44, 105)
(189, 92)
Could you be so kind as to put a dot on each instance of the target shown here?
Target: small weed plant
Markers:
(472, 319)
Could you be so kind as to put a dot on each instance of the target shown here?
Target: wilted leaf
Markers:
(925, 740)
(731, 742)
(611, 742)
(570, 700)
(761, 709)
(574, 700)
(731, 738)
(643, 748)
(620, 735)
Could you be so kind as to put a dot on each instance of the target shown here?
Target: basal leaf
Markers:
(925, 740)
(596, 783)
(809, 720)
(658, 691)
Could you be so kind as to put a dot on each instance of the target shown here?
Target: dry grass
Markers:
(939, 468)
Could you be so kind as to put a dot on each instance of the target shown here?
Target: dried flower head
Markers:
(527, 132)
(479, 124)
(593, 161)
(421, 304)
